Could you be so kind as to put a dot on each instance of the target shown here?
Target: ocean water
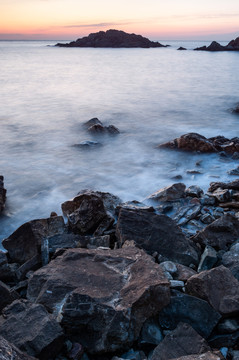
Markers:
(151, 95)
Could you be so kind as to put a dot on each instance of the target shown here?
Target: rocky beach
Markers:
(112, 280)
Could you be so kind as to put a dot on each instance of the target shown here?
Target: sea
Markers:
(154, 95)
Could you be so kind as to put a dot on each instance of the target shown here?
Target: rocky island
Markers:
(233, 45)
(113, 39)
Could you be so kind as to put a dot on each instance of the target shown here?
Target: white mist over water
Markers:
(151, 95)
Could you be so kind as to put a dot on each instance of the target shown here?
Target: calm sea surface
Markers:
(151, 95)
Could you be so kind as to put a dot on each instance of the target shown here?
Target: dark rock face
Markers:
(233, 45)
(207, 356)
(181, 48)
(100, 129)
(10, 352)
(113, 39)
(230, 259)
(30, 328)
(220, 234)
(7, 296)
(156, 233)
(183, 341)
(90, 210)
(223, 295)
(191, 310)
(169, 193)
(197, 142)
(105, 295)
(26, 241)
(2, 194)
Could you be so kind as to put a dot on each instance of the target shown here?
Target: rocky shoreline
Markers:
(112, 280)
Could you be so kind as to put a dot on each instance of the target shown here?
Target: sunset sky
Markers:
(156, 19)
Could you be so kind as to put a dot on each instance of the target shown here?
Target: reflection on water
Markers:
(151, 95)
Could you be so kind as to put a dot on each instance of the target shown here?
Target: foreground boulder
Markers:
(217, 286)
(10, 352)
(101, 297)
(7, 296)
(2, 194)
(30, 328)
(156, 233)
(25, 243)
(191, 310)
(183, 341)
(197, 142)
(220, 234)
(113, 39)
(169, 193)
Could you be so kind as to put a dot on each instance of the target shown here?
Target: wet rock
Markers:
(193, 172)
(113, 39)
(87, 144)
(156, 233)
(2, 194)
(186, 213)
(101, 288)
(25, 243)
(207, 218)
(208, 259)
(230, 259)
(32, 264)
(236, 109)
(207, 356)
(226, 340)
(10, 352)
(233, 185)
(169, 193)
(105, 225)
(30, 328)
(181, 48)
(234, 171)
(100, 129)
(191, 310)
(191, 142)
(7, 296)
(169, 266)
(194, 191)
(207, 200)
(220, 234)
(93, 242)
(183, 272)
(151, 333)
(134, 205)
(176, 284)
(228, 326)
(222, 195)
(183, 341)
(91, 122)
(224, 289)
(76, 352)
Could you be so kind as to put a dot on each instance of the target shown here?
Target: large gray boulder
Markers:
(156, 233)
(101, 297)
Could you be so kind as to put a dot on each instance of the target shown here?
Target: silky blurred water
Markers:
(151, 95)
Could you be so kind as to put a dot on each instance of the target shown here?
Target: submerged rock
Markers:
(113, 39)
(87, 144)
(101, 297)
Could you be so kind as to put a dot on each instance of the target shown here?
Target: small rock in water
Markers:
(87, 144)
(91, 122)
(194, 191)
(181, 48)
(193, 172)
(234, 171)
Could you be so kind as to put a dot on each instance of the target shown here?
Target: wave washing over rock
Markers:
(113, 39)
(152, 280)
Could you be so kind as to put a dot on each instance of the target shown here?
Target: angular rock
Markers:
(222, 195)
(184, 272)
(226, 340)
(191, 142)
(220, 234)
(10, 352)
(218, 287)
(234, 171)
(230, 259)
(2, 194)
(93, 291)
(156, 233)
(208, 259)
(206, 356)
(183, 341)
(191, 310)
(151, 333)
(25, 243)
(113, 39)
(169, 193)
(207, 219)
(233, 185)
(93, 242)
(187, 213)
(91, 122)
(194, 191)
(30, 328)
(181, 48)
(7, 296)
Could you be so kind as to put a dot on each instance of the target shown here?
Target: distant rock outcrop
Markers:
(233, 45)
(113, 39)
